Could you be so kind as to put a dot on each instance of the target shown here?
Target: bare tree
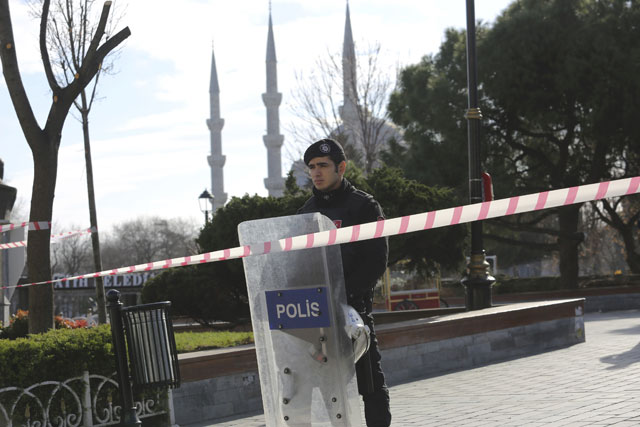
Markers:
(71, 25)
(318, 106)
(70, 256)
(148, 239)
(44, 142)
(601, 253)
(623, 215)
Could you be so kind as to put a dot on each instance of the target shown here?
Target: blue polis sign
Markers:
(298, 308)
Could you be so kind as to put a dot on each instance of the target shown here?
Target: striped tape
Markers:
(37, 225)
(23, 243)
(393, 226)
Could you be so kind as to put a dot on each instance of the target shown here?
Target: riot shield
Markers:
(297, 299)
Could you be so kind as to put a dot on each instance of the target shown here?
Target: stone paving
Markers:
(596, 383)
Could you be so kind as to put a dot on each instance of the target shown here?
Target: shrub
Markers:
(56, 355)
(19, 325)
(59, 355)
(199, 293)
(218, 291)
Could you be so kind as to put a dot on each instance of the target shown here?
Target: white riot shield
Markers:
(305, 355)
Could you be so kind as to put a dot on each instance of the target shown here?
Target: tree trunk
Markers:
(633, 261)
(93, 216)
(632, 257)
(568, 242)
(45, 169)
(625, 229)
(44, 143)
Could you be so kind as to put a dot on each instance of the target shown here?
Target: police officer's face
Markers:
(324, 173)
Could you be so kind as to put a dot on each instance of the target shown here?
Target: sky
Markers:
(149, 138)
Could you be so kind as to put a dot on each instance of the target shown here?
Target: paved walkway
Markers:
(596, 383)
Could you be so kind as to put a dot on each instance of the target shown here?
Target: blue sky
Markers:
(149, 136)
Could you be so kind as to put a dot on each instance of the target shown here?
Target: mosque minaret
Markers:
(350, 113)
(349, 110)
(215, 124)
(273, 139)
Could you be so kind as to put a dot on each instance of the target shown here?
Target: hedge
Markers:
(56, 355)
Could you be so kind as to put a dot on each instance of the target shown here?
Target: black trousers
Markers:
(373, 390)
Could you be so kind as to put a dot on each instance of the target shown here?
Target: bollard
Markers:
(129, 417)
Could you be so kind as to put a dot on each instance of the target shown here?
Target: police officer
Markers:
(363, 262)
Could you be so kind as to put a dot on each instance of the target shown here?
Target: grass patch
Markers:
(196, 341)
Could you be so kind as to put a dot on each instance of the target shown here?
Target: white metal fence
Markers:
(85, 401)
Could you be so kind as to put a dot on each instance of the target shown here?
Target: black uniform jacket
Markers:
(363, 262)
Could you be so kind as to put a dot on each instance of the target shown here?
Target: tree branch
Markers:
(544, 135)
(614, 219)
(75, 55)
(545, 214)
(537, 154)
(12, 77)
(93, 91)
(90, 66)
(524, 227)
(517, 242)
(102, 24)
(44, 52)
(602, 216)
(62, 52)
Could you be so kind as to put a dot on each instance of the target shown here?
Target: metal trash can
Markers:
(151, 345)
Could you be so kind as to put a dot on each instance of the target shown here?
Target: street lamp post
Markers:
(477, 282)
(206, 204)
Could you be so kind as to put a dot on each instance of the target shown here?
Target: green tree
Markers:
(222, 231)
(623, 214)
(200, 293)
(559, 99)
(429, 103)
(218, 290)
(428, 251)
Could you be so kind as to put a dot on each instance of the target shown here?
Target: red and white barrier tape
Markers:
(394, 226)
(38, 225)
(73, 233)
(23, 243)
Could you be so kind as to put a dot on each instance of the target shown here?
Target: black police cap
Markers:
(325, 147)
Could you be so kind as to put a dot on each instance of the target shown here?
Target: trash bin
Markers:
(151, 345)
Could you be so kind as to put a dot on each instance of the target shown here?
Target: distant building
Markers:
(76, 298)
(363, 136)
(301, 174)
(274, 182)
(215, 124)
(11, 260)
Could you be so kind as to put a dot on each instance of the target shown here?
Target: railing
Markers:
(84, 401)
